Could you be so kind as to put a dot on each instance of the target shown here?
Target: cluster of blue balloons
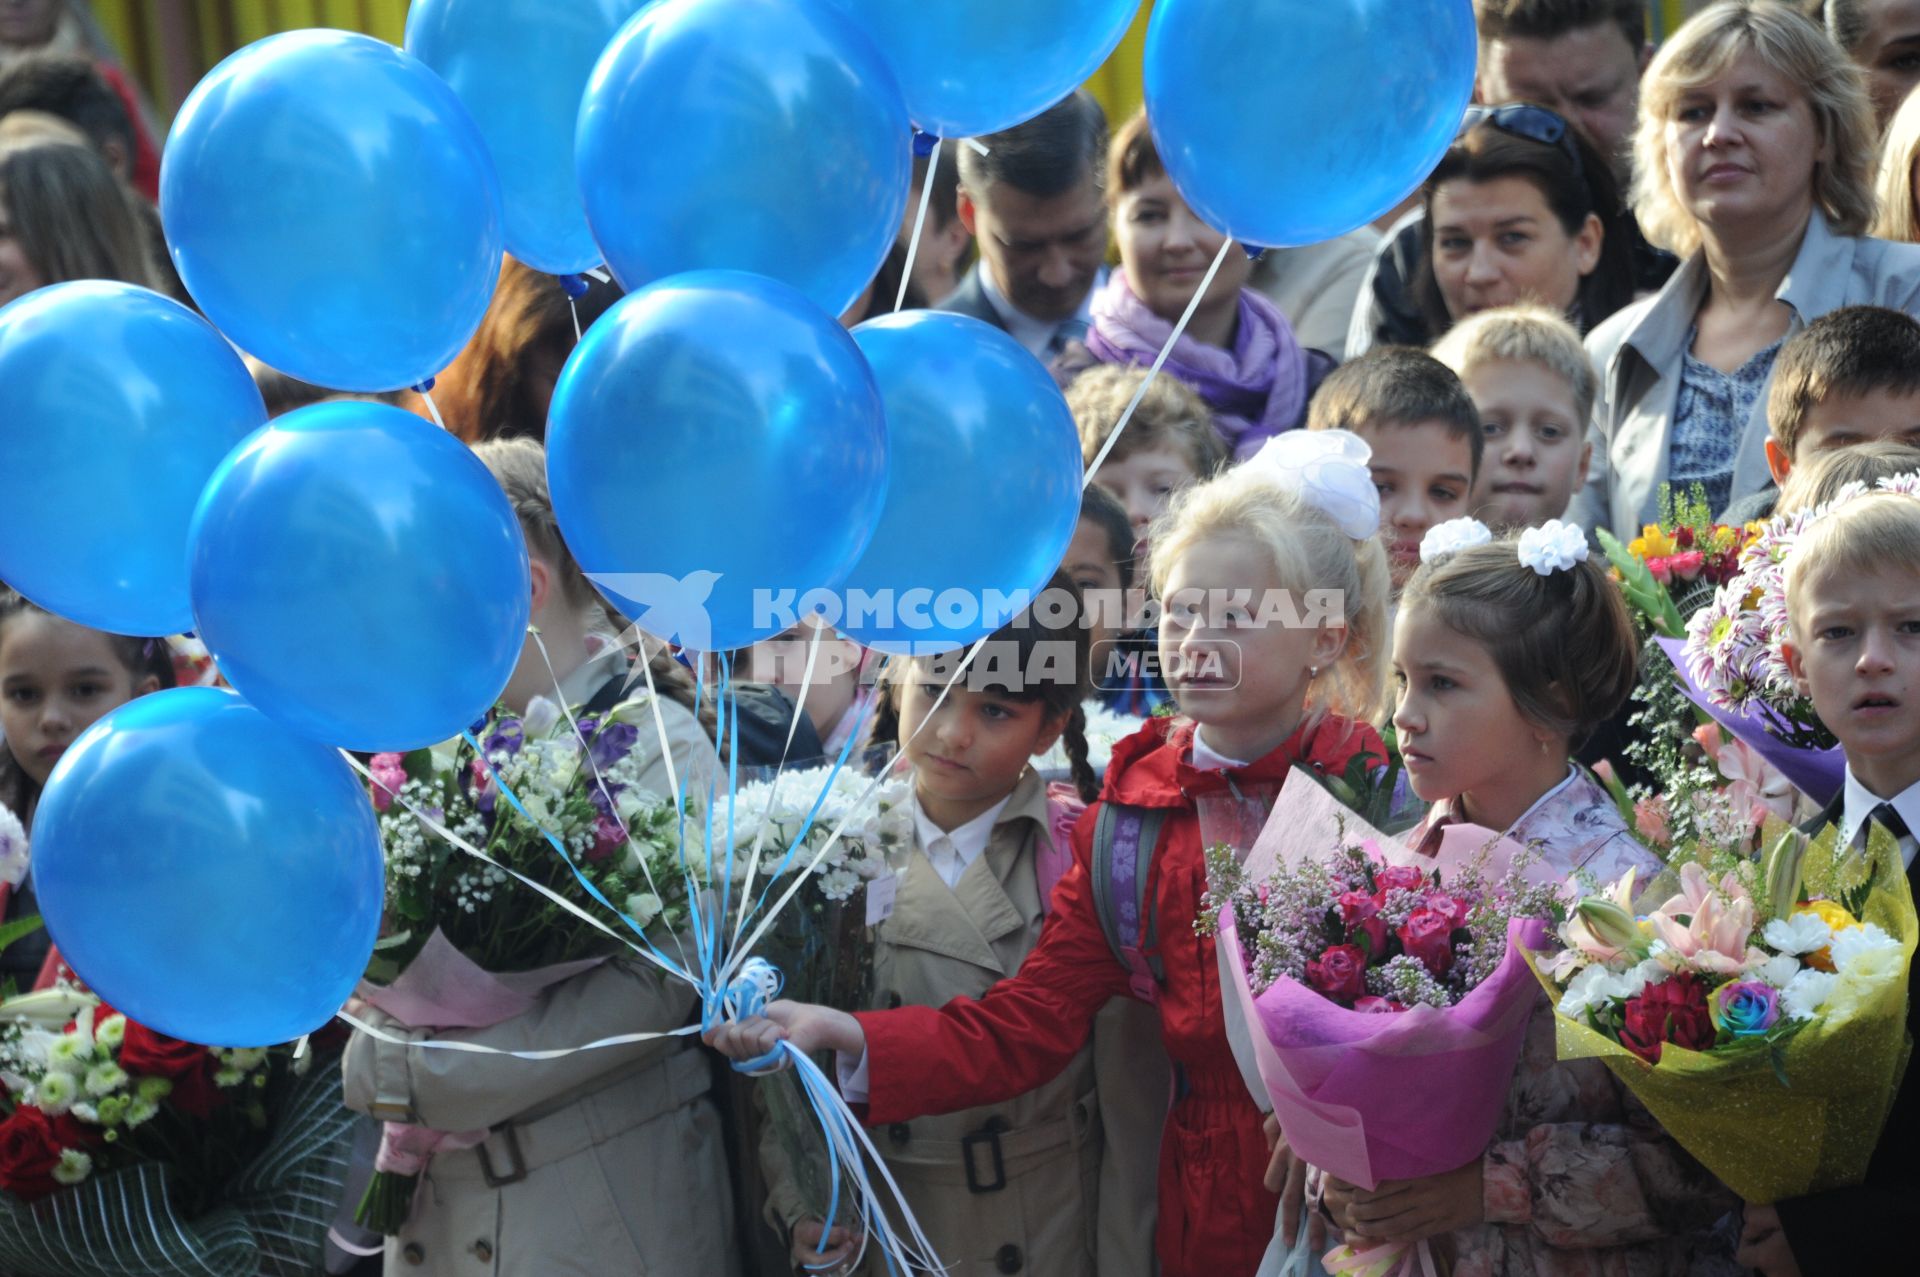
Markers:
(338, 209)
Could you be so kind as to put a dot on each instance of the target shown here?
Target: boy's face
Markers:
(1855, 651)
(1143, 482)
(1536, 447)
(1425, 475)
(1842, 421)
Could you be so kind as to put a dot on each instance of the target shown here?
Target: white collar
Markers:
(1033, 333)
(605, 660)
(1206, 760)
(1859, 804)
(969, 840)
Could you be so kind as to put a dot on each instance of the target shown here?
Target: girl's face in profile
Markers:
(56, 679)
(970, 752)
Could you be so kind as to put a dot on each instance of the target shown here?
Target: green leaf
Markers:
(19, 929)
(1777, 1056)
(395, 941)
(1637, 583)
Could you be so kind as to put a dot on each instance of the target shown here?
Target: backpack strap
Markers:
(1124, 841)
(1055, 857)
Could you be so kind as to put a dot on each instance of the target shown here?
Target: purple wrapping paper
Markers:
(1817, 773)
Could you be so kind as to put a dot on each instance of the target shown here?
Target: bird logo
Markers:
(673, 609)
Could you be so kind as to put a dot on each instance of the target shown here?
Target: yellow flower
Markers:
(1837, 919)
(1652, 543)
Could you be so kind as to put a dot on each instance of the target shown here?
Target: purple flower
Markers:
(612, 743)
(603, 797)
(506, 735)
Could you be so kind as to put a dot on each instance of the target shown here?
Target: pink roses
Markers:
(1340, 973)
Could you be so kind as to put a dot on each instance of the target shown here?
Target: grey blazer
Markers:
(1639, 353)
(970, 298)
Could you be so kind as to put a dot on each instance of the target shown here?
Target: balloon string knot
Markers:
(575, 286)
(923, 143)
(425, 387)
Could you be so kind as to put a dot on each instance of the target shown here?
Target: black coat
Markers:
(1834, 1232)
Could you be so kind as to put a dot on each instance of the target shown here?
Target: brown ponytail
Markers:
(1563, 642)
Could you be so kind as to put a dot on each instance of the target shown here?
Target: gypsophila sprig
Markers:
(1371, 935)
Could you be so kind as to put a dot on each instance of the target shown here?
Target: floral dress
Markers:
(1580, 1181)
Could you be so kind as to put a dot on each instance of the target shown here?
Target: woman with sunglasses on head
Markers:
(1753, 161)
(1522, 208)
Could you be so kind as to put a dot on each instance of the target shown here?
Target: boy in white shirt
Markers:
(1853, 601)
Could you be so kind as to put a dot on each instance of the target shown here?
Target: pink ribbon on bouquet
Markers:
(442, 988)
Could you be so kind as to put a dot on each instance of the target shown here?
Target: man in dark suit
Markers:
(1037, 207)
(1853, 590)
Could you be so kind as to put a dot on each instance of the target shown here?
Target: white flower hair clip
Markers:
(1329, 469)
(1553, 547)
(1452, 537)
(1907, 484)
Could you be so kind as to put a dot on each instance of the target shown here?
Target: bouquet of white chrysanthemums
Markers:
(781, 825)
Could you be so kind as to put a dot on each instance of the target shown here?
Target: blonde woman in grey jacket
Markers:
(1754, 157)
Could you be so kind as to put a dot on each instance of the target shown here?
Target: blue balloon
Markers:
(360, 576)
(521, 66)
(207, 872)
(1286, 122)
(716, 445)
(756, 135)
(978, 66)
(986, 484)
(332, 208)
(119, 405)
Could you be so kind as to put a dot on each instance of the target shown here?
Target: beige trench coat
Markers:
(599, 1163)
(1007, 1188)
(605, 1163)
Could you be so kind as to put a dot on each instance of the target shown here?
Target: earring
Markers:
(1313, 671)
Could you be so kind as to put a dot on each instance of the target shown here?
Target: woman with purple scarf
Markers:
(1238, 351)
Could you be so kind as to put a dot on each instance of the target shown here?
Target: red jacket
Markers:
(1215, 1217)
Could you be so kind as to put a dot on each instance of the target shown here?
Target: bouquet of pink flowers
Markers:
(1776, 987)
(1366, 978)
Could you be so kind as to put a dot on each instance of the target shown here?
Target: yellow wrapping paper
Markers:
(1728, 1108)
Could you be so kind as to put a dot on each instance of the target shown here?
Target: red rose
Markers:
(1340, 973)
(1688, 566)
(188, 1066)
(1360, 913)
(30, 1147)
(1673, 1011)
(1378, 1006)
(1403, 877)
(1453, 908)
(1428, 936)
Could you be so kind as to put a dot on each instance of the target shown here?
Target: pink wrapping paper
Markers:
(1372, 1097)
(442, 988)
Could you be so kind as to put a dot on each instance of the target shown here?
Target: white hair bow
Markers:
(1329, 469)
(1553, 547)
(1452, 537)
